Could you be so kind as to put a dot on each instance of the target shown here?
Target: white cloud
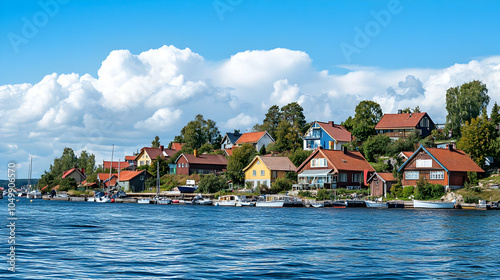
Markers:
(240, 121)
(137, 96)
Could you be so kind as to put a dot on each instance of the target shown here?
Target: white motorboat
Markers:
(163, 200)
(103, 199)
(204, 201)
(318, 205)
(35, 194)
(374, 204)
(275, 201)
(227, 200)
(91, 199)
(433, 205)
(144, 201)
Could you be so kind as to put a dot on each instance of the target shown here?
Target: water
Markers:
(83, 240)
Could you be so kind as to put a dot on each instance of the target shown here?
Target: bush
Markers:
(305, 194)
(211, 184)
(427, 190)
(407, 191)
(397, 190)
(325, 195)
(281, 184)
(471, 199)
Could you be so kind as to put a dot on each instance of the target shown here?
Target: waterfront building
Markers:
(447, 167)
(188, 164)
(76, 173)
(148, 155)
(381, 183)
(264, 170)
(331, 169)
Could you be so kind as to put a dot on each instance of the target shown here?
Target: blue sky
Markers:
(241, 59)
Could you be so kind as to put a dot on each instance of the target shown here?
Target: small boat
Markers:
(163, 200)
(144, 201)
(91, 199)
(175, 201)
(374, 204)
(204, 201)
(493, 206)
(339, 204)
(245, 202)
(35, 194)
(318, 205)
(227, 200)
(433, 205)
(190, 187)
(275, 201)
(103, 199)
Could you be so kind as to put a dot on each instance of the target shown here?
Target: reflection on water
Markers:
(78, 240)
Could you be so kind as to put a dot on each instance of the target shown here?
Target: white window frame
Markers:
(412, 175)
(254, 173)
(436, 175)
(313, 162)
(262, 173)
(423, 163)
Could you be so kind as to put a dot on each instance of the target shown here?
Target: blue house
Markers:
(230, 139)
(328, 135)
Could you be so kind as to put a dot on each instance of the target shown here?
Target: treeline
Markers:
(19, 183)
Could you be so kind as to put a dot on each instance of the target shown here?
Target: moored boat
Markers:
(433, 205)
(318, 205)
(374, 204)
(227, 200)
(144, 201)
(190, 187)
(339, 204)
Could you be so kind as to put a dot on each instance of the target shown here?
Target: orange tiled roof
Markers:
(387, 176)
(454, 160)
(336, 131)
(275, 163)
(348, 161)
(129, 175)
(129, 157)
(107, 164)
(66, 173)
(229, 151)
(177, 146)
(405, 120)
(250, 137)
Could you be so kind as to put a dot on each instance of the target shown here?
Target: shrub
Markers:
(471, 199)
(324, 195)
(407, 191)
(211, 184)
(305, 194)
(427, 190)
(397, 190)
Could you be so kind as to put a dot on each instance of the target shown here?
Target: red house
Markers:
(402, 124)
(188, 164)
(334, 169)
(447, 167)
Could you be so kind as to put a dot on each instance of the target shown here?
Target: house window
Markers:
(142, 162)
(258, 162)
(411, 175)
(424, 163)
(313, 162)
(343, 177)
(356, 177)
(142, 178)
(437, 175)
(262, 173)
(318, 162)
(254, 173)
(147, 162)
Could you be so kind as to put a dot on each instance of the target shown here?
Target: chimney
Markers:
(161, 147)
(332, 123)
(400, 111)
(83, 170)
(195, 152)
(450, 146)
(344, 149)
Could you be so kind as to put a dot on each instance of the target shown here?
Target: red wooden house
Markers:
(334, 169)
(447, 167)
(200, 164)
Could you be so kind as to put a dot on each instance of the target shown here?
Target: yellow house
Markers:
(264, 170)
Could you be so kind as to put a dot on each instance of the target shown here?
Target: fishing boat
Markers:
(433, 205)
(227, 200)
(375, 204)
(190, 187)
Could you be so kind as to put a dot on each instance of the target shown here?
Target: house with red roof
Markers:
(264, 170)
(76, 173)
(401, 125)
(105, 179)
(176, 146)
(332, 169)
(188, 164)
(328, 135)
(447, 167)
(117, 165)
(133, 181)
(381, 183)
(131, 160)
(257, 139)
(148, 155)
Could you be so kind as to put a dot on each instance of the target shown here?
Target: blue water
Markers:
(82, 240)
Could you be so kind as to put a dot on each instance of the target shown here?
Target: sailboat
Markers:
(104, 197)
(32, 194)
(158, 199)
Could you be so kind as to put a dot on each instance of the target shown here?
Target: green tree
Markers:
(463, 104)
(240, 158)
(160, 163)
(288, 137)
(478, 138)
(281, 184)
(367, 115)
(293, 113)
(298, 156)
(87, 161)
(262, 150)
(211, 184)
(198, 132)
(495, 114)
(376, 145)
(206, 148)
(271, 121)
(156, 142)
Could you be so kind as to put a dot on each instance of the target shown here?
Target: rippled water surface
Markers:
(82, 240)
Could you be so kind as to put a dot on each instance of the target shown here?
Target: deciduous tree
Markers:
(478, 139)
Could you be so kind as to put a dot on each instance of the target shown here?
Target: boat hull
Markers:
(186, 189)
(143, 201)
(273, 204)
(226, 203)
(373, 204)
(433, 205)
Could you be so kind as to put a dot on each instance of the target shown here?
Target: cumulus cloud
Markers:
(137, 96)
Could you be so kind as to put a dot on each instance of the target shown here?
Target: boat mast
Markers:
(157, 180)
(111, 167)
(29, 174)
